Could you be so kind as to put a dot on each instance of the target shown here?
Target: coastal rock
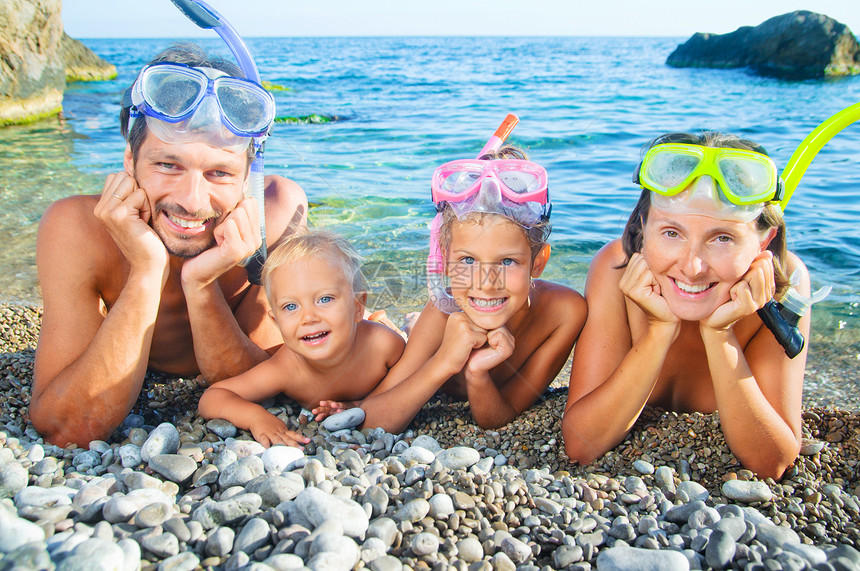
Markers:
(13, 478)
(797, 45)
(32, 74)
(82, 64)
(37, 59)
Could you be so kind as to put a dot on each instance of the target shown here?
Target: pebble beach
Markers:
(174, 492)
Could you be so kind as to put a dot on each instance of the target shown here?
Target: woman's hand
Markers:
(749, 294)
(639, 285)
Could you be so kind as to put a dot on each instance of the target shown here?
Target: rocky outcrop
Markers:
(798, 45)
(32, 76)
(82, 64)
(37, 58)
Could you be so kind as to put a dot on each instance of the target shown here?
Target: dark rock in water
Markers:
(798, 45)
(36, 58)
(82, 64)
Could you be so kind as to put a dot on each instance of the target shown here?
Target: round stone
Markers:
(424, 544)
(747, 491)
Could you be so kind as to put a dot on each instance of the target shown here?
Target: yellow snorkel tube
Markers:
(781, 317)
(809, 147)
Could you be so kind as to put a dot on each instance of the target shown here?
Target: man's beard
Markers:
(182, 246)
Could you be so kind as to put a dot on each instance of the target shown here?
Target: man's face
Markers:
(191, 188)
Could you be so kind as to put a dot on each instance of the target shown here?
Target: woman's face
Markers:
(697, 259)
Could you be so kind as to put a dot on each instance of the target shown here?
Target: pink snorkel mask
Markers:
(513, 188)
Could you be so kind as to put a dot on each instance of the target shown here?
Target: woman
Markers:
(672, 307)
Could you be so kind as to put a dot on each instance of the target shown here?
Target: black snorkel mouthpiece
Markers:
(783, 324)
(781, 317)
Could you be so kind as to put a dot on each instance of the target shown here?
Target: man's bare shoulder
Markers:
(70, 224)
(286, 208)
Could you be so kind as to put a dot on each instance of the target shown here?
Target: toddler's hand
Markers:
(461, 338)
(269, 430)
(328, 408)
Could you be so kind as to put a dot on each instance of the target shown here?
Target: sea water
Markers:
(399, 107)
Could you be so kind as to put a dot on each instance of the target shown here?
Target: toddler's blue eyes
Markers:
(468, 260)
(508, 262)
(326, 299)
(291, 306)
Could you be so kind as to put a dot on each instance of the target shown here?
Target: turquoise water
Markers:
(405, 105)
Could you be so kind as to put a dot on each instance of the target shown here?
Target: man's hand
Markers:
(125, 212)
(269, 430)
(236, 238)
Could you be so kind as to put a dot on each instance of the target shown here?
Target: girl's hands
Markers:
(327, 408)
(460, 339)
(639, 285)
(749, 294)
(500, 345)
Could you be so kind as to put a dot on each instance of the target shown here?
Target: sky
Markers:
(282, 18)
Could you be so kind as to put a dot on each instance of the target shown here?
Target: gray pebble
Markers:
(211, 514)
(459, 457)
(317, 506)
(720, 551)
(424, 544)
(164, 439)
(387, 563)
(223, 428)
(349, 418)
(162, 545)
(153, 514)
(747, 491)
(280, 458)
(254, 535)
(693, 490)
(241, 472)
(516, 550)
(175, 467)
(635, 559)
(181, 562)
(220, 542)
(413, 511)
(383, 528)
(16, 531)
(470, 550)
(643, 467)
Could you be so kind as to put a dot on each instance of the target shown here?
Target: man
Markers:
(146, 275)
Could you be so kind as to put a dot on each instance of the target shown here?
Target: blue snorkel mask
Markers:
(182, 104)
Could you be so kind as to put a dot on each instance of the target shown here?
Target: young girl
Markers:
(498, 337)
(317, 295)
(672, 307)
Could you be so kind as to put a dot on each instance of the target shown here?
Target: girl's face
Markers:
(697, 259)
(490, 266)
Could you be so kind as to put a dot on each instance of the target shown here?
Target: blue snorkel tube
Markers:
(781, 317)
(207, 18)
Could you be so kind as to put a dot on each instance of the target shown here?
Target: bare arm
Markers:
(90, 366)
(612, 377)
(235, 400)
(437, 350)
(495, 405)
(757, 388)
(227, 343)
